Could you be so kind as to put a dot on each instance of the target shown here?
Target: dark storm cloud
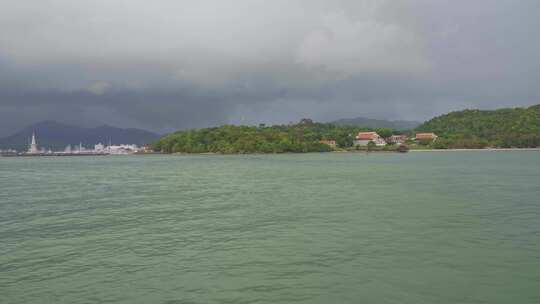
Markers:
(164, 65)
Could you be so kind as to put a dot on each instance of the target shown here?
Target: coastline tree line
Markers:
(503, 128)
(304, 136)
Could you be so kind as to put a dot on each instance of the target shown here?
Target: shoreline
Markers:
(365, 152)
(476, 150)
(344, 152)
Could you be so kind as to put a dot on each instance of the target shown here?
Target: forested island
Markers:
(471, 129)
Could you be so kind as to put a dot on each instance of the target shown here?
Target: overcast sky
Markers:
(169, 64)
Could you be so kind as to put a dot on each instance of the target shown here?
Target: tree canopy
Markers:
(516, 127)
(304, 136)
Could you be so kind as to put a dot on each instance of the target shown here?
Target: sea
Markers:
(421, 227)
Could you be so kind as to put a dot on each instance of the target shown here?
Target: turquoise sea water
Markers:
(459, 227)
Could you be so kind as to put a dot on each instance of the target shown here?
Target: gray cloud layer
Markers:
(170, 64)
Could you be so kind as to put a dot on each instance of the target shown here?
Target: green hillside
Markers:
(301, 137)
(517, 127)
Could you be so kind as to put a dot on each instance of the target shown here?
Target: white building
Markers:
(33, 145)
(122, 149)
(397, 139)
(99, 147)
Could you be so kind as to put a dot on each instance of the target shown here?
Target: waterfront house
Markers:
(396, 139)
(147, 148)
(363, 139)
(425, 137)
(331, 143)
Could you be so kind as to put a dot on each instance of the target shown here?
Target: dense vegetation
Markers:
(518, 127)
(301, 137)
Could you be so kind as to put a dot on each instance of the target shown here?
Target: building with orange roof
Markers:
(426, 137)
(363, 139)
(331, 143)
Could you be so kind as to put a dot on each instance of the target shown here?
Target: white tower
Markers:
(33, 146)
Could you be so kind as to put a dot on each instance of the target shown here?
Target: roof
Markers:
(331, 143)
(396, 138)
(367, 135)
(425, 136)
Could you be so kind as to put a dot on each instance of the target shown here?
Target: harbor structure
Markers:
(36, 148)
(78, 150)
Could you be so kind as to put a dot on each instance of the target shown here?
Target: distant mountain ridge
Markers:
(56, 136)
(377, 123)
